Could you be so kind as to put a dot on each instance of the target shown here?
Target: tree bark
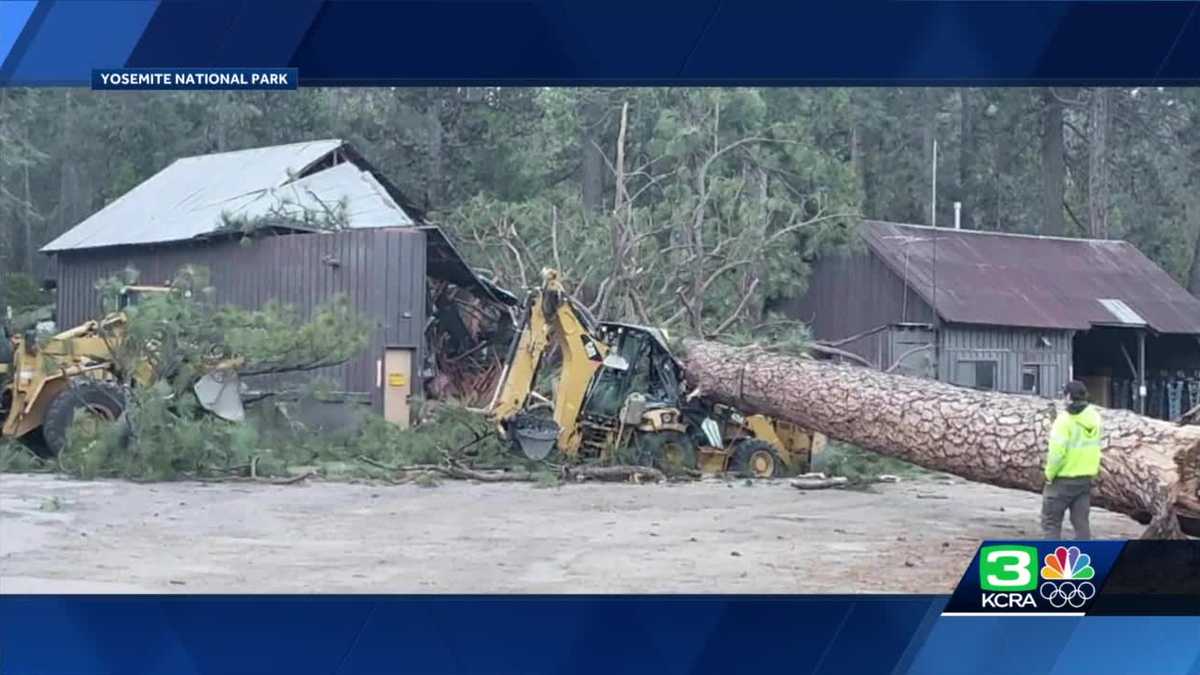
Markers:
(1150, 470)
(928, 137)
(27, 240)
(1194, 277)
(758, 188)
(591, 160)
(436, 136)
(1004, 155)
(857, 114)
(968, 154)
(1098, 165)
(1053, 166)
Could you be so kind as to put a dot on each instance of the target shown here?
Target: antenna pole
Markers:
(933, 221)
(933, 189)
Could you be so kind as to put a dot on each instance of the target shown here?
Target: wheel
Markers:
(754, 458)
(98, 399)
(668, 451)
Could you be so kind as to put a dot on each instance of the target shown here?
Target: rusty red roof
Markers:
(1037, 282)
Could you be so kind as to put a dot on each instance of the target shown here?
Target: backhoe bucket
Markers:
(535, 436)
(219, 392)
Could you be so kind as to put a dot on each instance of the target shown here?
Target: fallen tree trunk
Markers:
(1150, 470)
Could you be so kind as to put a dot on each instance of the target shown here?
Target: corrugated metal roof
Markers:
(1122, 312)
(192, 196)
(1037, 282)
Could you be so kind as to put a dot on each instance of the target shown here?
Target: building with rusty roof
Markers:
(1013, 313)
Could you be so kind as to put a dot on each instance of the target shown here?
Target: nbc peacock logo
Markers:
(1067, 564)
(1066, 573)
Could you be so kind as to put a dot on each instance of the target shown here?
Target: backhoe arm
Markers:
(551, 318)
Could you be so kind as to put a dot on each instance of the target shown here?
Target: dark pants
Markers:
(1061, 495)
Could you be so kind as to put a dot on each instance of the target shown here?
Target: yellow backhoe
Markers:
(46, 382)
(621, 394)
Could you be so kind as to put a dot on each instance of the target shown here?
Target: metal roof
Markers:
(1122, 312)
(193, 196)
(443, 261)
(1030, 281)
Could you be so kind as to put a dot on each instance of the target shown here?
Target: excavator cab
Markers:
(633, 402)
(637, 363)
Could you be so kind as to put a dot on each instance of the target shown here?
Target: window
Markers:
(977, 374)
(1031, 376)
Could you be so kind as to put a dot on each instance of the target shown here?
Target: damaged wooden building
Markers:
(300, 224)
(1012, 313)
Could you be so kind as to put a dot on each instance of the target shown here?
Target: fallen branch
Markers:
(619, 472)
(454, 469)
(379, 465)
(818, 482)
(291, 480)
(487, 476)
(857, 336)
(900, 359)
(826, 350)
(294, 479)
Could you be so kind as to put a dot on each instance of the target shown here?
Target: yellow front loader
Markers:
(46, 382)
(620, 393)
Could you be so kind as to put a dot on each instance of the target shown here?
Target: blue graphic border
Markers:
(513, 42)
(822, 635)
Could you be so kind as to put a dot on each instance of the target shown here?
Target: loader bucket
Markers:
(535, 437)
(219, 392)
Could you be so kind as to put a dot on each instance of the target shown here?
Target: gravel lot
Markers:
(63, 536)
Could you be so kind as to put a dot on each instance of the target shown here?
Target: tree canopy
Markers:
(691, 207)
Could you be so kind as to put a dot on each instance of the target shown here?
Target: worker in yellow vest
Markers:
(1072, 463)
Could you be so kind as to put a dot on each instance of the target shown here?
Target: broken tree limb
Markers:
(1190, 417)
(828, 351)
(900, 359)
(1150, 469)
(614, 473)
(818, 482)
(454, 469)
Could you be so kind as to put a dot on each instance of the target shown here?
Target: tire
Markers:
(754, 458)
(104, 400)
(667, 451)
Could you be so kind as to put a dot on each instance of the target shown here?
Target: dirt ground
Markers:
(916, 536)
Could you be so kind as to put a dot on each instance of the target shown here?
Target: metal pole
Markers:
(933, 191)
(937, 333)
(958, 215)
(1142, 372)
(935, 240)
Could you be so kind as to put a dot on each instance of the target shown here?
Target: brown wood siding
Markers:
(852, 293)
(381, 271)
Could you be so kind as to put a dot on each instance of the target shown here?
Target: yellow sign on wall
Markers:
(397, 380)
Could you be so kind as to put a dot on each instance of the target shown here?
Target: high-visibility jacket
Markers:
(1075, 445)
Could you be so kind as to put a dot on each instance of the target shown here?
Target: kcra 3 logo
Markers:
(1009, 578)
